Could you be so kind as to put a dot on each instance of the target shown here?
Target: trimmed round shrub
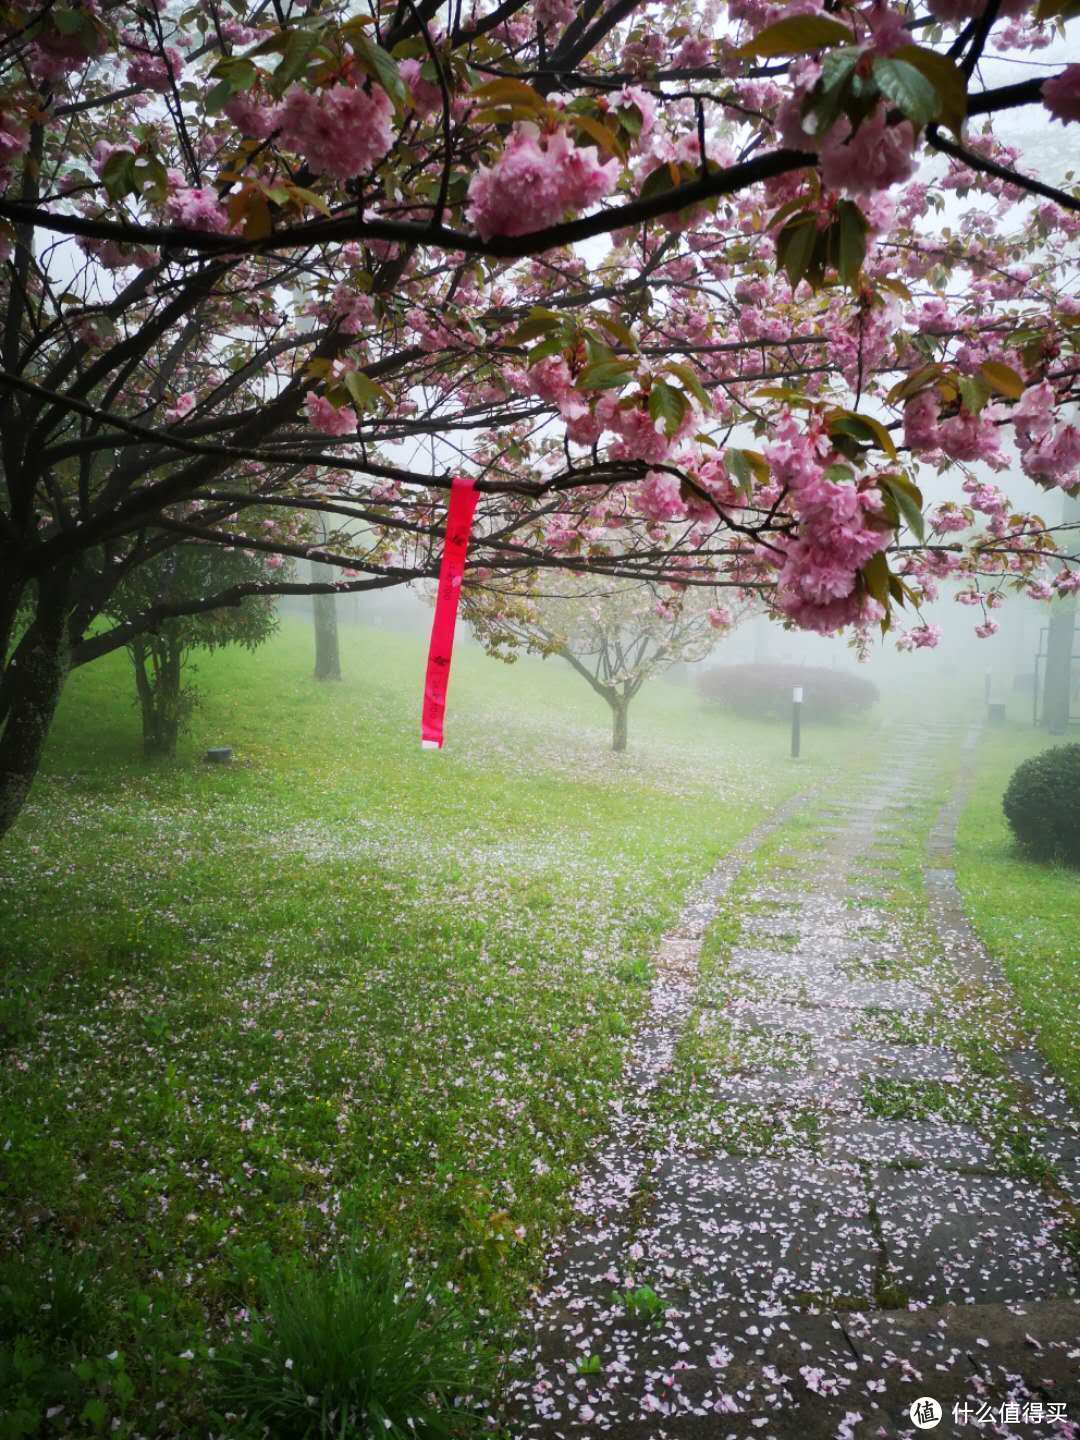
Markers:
(763, 692)
(1042, 804)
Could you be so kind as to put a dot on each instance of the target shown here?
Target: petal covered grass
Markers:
(341, 990)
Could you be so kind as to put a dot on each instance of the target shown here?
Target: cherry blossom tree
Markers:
(614, 634)
(695, 292)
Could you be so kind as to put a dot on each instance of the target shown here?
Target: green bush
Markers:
(355, 1350)
(1042, 804)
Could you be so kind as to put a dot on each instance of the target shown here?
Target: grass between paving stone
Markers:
(341, 990)
(979, 1025)
(711, 1049)
(1026, 912)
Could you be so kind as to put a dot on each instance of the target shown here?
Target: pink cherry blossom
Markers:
(876, 156)
(341, 132)
(251, 116)
(658, 496)
(328, 418)
(354, 308)
(919, 637)
(197, 209)
(921, 422)
(13, 142)
(1061, 95)
(967, 436)
(156, 72)
(554, 15)
(183, 406)
(535, 180)
(426, 94)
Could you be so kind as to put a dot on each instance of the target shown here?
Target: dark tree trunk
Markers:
(32, 683)
(1057, 687)
(327, 656)
(620, 706)
(158, 661)
(1058, 682)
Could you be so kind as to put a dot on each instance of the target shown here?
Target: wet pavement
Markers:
(838, 1180)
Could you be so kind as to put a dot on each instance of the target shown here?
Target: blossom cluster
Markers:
(538, 177)
(840, 529)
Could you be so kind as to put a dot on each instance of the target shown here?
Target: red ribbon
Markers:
(441, 648)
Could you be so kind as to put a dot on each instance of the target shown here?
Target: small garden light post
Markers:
(796, 720)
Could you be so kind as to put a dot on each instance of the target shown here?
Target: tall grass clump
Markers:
(356, 1350)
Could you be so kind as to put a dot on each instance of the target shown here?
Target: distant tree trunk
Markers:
(620, 706)
(158, 661)
(327, 655)
(33, 680)
(1057, 689)
(1057, 686)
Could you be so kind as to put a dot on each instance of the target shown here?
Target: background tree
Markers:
(325, 616)
(614, 636)
(314, 260)
(160, 657)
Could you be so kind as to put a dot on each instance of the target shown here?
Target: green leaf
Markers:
(597, 349)
(875, 575)
(840, 474)
(94, 1411)
(363, 390)
(218, 98)
(659, 180)
(853, 230)
(667, 404)
(234, 76)
(947, 79)
(864, 428)
(830, 94)
(118, 175)
(606, 375)
(531, 328)
(630, 119)
(509, 91)
(738, 467)
(299, 48)
(688, 376)
(974, 392)
(796, 35)
(1057, 9)
(381, 66)
(605, 138)
(908, 499)
(795, 245)
(1002, 378)
(616, 327)
(544, 349)
(908, 89)
(837, 65)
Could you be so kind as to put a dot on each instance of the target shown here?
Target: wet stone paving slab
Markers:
(833, 1185)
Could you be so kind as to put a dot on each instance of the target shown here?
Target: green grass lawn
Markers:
(1026, 912)
(342, 989)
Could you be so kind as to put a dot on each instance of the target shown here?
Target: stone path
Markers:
(839, 1179)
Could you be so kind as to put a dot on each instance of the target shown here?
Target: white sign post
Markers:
(796, 718)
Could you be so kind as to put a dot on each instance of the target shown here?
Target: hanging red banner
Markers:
(441, 648)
